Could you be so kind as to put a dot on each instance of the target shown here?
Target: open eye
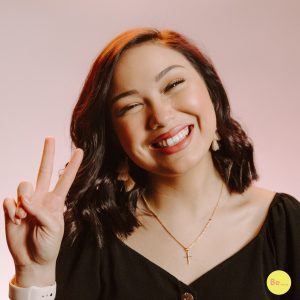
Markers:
(173, 84)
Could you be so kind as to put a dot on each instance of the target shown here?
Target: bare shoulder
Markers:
(250, 211)
(260, 195)
(253, 197)
(258, 200)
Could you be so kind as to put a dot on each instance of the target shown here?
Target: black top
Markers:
(85, 272)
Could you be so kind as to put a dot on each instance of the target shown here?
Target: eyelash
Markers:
(127, 108)
(169, 86)
(173, 84)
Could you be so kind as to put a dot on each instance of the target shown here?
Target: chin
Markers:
(181, 167)
(173, 167)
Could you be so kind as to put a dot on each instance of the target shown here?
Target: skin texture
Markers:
(35, 223)
(178, 98)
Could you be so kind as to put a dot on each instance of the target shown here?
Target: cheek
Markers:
(124, 135)
(196, 101)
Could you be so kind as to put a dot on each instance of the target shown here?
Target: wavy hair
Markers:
(96, 198)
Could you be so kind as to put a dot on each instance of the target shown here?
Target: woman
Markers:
(163, 205)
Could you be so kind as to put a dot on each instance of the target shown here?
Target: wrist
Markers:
(34, 275)
(31, 293)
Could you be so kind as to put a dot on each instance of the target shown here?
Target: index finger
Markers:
(46, 166)
(66, 179)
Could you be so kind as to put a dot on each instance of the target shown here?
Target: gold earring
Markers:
(123, 175)
(215, 145)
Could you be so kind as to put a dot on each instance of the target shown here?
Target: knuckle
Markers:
(24, 183)
(7, 201)
(45, 167)
(9, 206)
(25, 187)
(4, 203)
(45, 170)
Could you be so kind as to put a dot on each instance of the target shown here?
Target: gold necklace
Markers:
(185, 248)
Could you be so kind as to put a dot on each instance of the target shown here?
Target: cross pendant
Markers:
(187, 256)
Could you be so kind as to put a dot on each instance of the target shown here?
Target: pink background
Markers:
(47, 48)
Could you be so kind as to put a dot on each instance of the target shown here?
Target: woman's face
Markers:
(161, 110)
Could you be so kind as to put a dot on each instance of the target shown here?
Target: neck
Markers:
(188, 195)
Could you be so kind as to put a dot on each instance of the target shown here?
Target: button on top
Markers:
(187, 296)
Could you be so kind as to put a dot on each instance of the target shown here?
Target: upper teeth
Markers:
(175, 139)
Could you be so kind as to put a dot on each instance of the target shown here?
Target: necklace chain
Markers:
(185, 248)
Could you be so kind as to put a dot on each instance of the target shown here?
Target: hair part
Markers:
(96, 198)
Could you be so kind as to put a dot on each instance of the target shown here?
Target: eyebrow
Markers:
(162, 73)
(158, 77)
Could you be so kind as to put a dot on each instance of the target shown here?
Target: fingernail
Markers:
(17, 221)
(22, 214)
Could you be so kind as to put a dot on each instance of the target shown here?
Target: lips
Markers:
(170, 134)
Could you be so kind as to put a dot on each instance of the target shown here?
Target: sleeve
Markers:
(31, 293)
(286, 238)
(78, 270)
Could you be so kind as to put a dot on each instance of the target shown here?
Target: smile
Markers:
(174, 140)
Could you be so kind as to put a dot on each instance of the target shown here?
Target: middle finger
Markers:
(66, 179)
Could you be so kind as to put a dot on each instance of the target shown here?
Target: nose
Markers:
(160, 114)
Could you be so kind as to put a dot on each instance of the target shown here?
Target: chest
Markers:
(224, 237)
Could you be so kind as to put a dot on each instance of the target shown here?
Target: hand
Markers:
(35, 223)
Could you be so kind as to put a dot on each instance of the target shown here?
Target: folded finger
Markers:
(39, 213)
(25, 189)
(20, 213)
(9, 207)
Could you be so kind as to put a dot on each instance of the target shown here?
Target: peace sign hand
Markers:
(35, 224)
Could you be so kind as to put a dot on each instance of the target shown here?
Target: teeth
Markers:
(175, 139)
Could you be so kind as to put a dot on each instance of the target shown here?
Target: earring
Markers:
(215, 145)
(123, 175)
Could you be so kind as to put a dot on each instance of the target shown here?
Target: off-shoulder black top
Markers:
(85, 272)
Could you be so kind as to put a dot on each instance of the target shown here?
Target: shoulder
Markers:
(282, 213)
(253, 204)
(265, 199)
(278, 212)
(285, 210)
(279, 215)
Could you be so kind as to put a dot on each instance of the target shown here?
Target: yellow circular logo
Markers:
(279, 282)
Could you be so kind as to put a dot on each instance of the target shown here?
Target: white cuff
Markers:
(32, 292)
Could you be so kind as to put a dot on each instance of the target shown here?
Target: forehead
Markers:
(145, 61)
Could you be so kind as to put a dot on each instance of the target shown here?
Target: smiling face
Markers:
(161, 110)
